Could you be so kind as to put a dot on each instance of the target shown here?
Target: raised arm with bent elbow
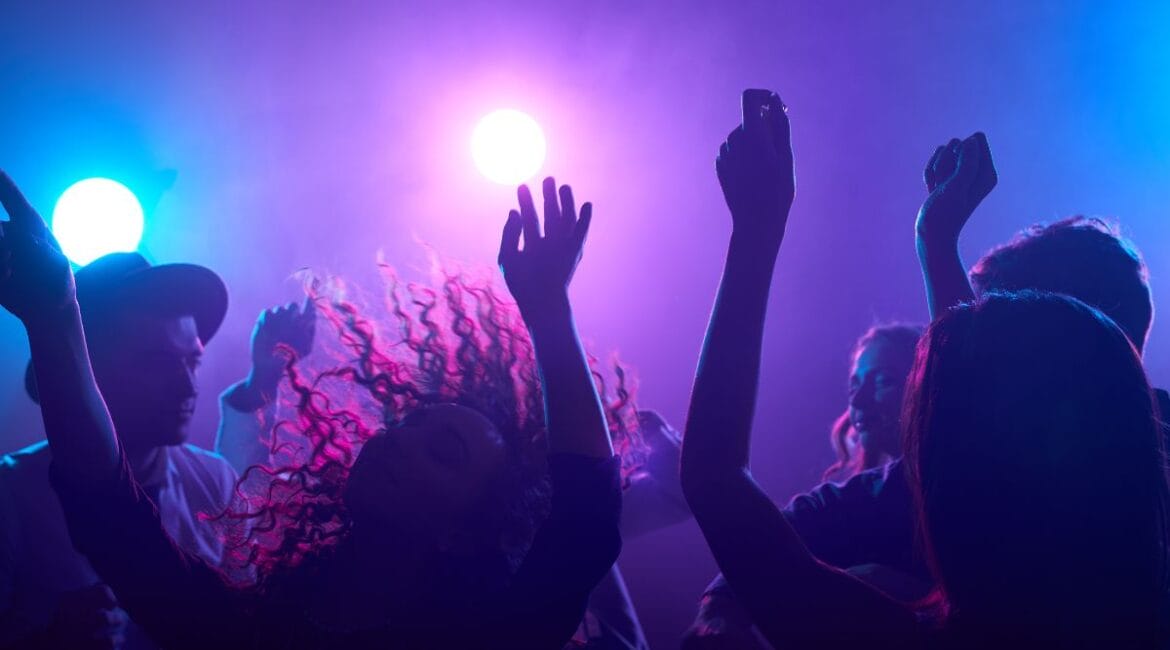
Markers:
(36, 286)
(795, 600)
(958, 177)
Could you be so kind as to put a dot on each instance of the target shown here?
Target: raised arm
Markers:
(794, 599)
(246, 407)
(36, 286)
(580, 539)
(958, 177)
(538, 277)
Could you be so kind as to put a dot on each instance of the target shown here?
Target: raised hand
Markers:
(293, 326)
(539, 274)
(958, 176)
(755, 168)
(35, 278)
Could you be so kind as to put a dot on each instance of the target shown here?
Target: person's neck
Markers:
(147, 463)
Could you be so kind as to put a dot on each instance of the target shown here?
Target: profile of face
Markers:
(877, 383)
(425, 476)
(146, 369)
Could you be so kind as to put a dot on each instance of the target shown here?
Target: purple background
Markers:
(264, 137)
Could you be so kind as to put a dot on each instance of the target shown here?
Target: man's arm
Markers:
(36, 286)
(247, 407)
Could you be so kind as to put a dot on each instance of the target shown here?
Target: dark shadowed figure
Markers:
(413, 534)
(1033, 454)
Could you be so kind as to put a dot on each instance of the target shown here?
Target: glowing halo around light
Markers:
(508, 147)
(97, 216)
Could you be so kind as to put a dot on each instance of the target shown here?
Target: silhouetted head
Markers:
(146, 368)
(428, 435)
(1039, 468)
(1081, 257)
(145, 328)
(869, 432)
(434, 476)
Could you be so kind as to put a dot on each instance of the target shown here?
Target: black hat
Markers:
(119, 282)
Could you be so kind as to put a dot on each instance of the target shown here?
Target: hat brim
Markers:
(167, 289)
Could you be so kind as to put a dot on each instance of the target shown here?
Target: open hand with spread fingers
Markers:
(538, 274)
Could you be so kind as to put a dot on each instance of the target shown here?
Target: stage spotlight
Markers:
(97, 216)
(508, 147)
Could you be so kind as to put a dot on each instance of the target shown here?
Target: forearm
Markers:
(246, 418)
(573, 411)
(943, 273)
(77, 423)
(718, 429)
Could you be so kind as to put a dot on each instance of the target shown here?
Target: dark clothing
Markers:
(865, 521)
(868, 519)
(183, 603)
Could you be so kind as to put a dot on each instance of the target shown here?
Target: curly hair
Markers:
(456, 342)
(901, 338)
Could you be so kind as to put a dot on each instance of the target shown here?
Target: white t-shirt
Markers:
(37, 559)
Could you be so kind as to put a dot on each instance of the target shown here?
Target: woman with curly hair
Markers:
(422, 530)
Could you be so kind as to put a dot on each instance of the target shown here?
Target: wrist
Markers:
(246, 395)
(546, 310)
(759, 251)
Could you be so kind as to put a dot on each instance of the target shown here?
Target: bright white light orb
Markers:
(508, 147)
(97, 216)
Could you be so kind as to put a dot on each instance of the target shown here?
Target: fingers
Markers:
(510, 240)
(581, 230)
(987, 177)
(981, 144)
(928, 174)
(752, 106)
(528, 216)
(986, 164)
(20, 212)
(308, 308)
(554, 224)
(568, 207)
(777, 115)
(967, 166)
(947, 161)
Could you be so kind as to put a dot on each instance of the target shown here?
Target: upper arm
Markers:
(169, 592)
(793, 598)
(574, 548)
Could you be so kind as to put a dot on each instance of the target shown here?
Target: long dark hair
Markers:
(901, 339)
(454, 342)
(1039, 471)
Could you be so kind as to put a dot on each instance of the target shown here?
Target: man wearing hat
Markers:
(146, 327)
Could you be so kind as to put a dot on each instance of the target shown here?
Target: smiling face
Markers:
(877, 383)
(426, 475)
